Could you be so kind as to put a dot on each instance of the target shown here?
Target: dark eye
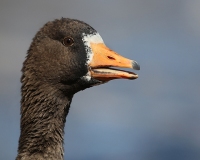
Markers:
(68, 41)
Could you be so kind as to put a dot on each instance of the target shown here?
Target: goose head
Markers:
(71, 55)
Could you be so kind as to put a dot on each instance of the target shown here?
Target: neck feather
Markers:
(43, 116)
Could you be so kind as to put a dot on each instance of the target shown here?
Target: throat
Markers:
(42, 125)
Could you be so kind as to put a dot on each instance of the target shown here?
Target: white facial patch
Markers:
(87, 40)
(87, 77)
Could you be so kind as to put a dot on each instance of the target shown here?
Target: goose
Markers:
(65, 56)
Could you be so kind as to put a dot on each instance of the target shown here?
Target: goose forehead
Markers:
(91, 38)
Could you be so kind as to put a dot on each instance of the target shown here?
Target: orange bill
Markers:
(104, 59)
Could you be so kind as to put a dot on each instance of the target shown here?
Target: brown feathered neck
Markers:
(43, 116)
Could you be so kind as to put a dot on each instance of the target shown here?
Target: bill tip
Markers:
(135, 65)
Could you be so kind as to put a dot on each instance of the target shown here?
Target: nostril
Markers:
(111, 58)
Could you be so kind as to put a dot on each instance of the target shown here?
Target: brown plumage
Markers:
(66, 56)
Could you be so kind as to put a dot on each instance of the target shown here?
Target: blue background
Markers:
(156, 117)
